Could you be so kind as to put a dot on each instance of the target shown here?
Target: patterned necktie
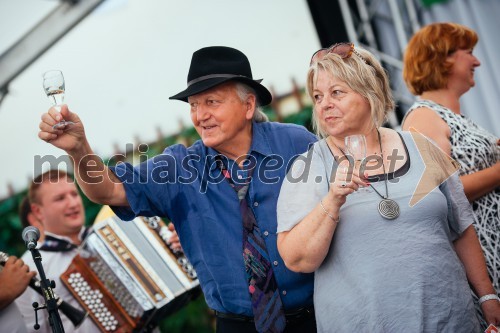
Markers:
(267, 308)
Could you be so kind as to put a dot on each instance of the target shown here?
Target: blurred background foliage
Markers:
(196, 317)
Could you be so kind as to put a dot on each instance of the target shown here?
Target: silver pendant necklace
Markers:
(387, 208)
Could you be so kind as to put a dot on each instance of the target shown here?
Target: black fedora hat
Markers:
(213, 65)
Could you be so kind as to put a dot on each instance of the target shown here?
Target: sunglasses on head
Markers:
(344, 50)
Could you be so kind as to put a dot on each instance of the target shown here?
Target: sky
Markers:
(123, 61)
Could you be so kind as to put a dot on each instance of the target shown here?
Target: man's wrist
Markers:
(80, 151)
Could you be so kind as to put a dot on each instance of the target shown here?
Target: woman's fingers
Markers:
(348, 177)
(360, 182)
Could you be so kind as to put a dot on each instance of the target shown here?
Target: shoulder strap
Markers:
(416, 105)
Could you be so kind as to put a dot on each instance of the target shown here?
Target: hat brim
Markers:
(263, 94)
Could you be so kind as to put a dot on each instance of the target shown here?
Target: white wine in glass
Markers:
(54, 87)
(356, 147)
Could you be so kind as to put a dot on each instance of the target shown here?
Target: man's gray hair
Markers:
(243, 91)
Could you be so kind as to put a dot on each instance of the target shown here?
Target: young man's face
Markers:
(59, 208)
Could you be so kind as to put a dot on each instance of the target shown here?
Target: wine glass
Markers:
(53, 84)
(356, 147)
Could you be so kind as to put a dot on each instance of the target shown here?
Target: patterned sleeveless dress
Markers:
(475, 149)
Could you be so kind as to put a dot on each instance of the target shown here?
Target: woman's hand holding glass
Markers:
(345, 182)
(356, 148)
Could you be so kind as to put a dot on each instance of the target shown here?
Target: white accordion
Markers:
(126, 275)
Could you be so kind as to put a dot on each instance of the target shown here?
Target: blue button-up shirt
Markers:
(186, 186)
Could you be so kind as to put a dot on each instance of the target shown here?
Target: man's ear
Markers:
(33, 220)
(36, 210)
(250, 106)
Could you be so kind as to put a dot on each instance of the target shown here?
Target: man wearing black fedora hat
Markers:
(220, 193)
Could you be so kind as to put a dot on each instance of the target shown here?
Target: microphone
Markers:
(30, 236)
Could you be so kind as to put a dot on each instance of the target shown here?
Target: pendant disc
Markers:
(388, 209)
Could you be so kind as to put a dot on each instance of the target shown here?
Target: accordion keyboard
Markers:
(101, 307)
(93, 299)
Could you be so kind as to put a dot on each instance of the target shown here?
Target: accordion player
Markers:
(126, 275)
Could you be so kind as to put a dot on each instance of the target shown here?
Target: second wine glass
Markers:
(55, 88)
(356, 147)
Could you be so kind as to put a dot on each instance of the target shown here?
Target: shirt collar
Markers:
(260, 144)
(81, 235)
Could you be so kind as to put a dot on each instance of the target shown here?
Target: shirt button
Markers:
(240, 177)
(266, 233)
(256, 204)
(275, 263)
(283, 292)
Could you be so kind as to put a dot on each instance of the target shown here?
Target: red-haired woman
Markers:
(439, 68)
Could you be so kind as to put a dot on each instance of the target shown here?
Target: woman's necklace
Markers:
(387, 208)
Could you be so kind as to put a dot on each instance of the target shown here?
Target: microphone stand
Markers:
(50, 299)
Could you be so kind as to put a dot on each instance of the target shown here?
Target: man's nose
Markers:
(202, 113)
(73, 200)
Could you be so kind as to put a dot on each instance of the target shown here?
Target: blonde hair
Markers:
(52, 176)
(425, 65)
(365, 76)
